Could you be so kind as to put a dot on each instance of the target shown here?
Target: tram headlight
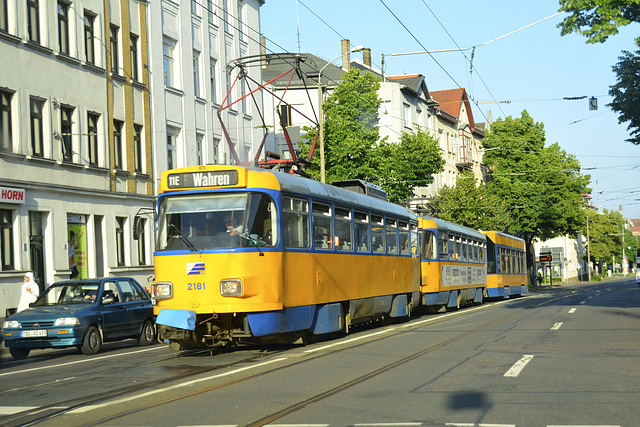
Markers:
(162, 290)
(231, 287)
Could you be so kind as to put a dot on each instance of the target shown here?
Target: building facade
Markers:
(75, 152)
(195, 47)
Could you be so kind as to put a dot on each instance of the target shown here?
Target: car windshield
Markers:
(68, 293)
(210, 221)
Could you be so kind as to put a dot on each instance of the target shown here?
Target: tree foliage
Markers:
(542, 186)
(598, 19)
(353, 149)
(471, 205)
(605, 235)
(626, 93)
(409, 164)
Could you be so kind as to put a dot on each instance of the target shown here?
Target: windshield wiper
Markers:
(186, 241)
(252, 240)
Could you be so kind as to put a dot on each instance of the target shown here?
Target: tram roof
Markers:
(296, 184)
(442, 224)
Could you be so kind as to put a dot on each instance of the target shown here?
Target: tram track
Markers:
(296, 360)
(47, 412)
(60, 409)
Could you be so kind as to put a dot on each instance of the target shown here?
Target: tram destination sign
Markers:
(202, 179)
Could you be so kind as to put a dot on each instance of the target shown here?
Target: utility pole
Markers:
(588, 252)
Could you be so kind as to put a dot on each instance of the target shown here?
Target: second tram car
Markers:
(506, 265)
(453, 264)
(246, 253)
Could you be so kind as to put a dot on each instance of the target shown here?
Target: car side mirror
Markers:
(108, 300)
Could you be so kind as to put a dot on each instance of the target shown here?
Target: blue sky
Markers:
(534, 68)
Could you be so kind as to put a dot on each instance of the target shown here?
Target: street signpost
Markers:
(547, 257)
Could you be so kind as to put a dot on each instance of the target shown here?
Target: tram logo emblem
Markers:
(195, 268)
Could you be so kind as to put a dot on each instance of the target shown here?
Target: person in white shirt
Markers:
(30, 292)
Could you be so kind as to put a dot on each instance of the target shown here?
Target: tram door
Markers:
(36, 248)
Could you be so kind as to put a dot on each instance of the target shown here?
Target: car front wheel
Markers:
(19, 353)
(148, 333)
(92, 341)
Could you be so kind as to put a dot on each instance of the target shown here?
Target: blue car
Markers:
(82, 313)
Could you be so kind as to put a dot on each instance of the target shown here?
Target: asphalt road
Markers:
(560, 356)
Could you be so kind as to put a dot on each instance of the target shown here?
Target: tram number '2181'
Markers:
(195, 286)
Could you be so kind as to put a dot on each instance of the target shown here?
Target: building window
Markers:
(194, 7)
(228, 83)
(167, 54)
(63, 27)
(406, 114)
(171, 151)
(142, 247)
(115, 66)
(6, 239)
(4, 15)
(212, 11)
(37, 144)
(215, 149)
(93, 138)
(33, 21)
(241, 34)
(225, 15)
(134, 58)
(199, 159)
(89, 38)
(212, 77)
(6, 142)
(243, 93)
(285, 114)
(137, 147)
(196, 73)
(66, 133)
(117, 144)
(120, 227)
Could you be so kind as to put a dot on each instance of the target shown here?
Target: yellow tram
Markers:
(506, 265)
(453, 264)
(245, 253)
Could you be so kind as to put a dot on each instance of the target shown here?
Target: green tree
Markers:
(597, 20)
(626, 93)
(409, 164)
(605, 235)
(471, 205)
(542, 186)
(352, 145)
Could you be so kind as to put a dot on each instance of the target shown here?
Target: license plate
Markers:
(38, 333)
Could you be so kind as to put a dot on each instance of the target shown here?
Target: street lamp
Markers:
(321, 114)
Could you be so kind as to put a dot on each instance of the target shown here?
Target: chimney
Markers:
(366, 57)
(346, 54)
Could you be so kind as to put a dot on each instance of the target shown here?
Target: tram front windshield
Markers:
(212, 221)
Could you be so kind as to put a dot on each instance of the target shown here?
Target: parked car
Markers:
(82, 313)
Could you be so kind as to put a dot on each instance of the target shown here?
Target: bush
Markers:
(596, 278)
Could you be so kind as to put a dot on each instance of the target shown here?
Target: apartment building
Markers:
(195, 48)
(75, 152)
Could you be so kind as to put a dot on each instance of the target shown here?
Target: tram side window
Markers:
(503, 261)
(362, 231)
(481, 252)
(344, 239)
(443, 248)
(322, 226)
(428, 245)
(414, 239)
(392, 235)
(491, 256)
(295, 217)
(403, 234)
(377, 233)
(465, 250)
